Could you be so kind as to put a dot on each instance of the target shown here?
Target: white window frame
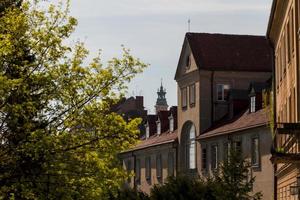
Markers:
(192, 148)
(252, 104)
(255, 151)
(223, 87)
(171, 123)
(158, 127)
(147, 130)
(214, 158)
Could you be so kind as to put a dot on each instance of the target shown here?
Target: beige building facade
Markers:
(283, 32)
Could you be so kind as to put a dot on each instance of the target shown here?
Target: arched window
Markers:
(191, 148)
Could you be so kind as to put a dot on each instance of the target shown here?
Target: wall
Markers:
(265, 173)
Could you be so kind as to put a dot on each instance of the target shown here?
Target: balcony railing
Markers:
(286, 145)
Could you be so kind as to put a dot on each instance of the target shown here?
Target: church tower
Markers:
(161, 102)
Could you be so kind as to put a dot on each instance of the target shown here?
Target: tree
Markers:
(181, 188)
(59, 138)
(233, 181)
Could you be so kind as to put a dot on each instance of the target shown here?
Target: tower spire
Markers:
(161, 102)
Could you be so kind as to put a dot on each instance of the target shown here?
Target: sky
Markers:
(154, 30)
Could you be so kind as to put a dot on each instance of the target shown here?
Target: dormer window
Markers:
(171, 123)
(252, 104)
(158, 124)
(147, 131)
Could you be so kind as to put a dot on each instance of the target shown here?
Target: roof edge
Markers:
(271, 17)
(203, 136)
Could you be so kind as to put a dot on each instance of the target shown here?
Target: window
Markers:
(192, 95)
(255, 152)
(158, 124)
(222, 92)
(227, 149)
(138, 171)
(147, 130)
(191, 148)
(204, 159)
(184, 97)
(158, 168)
(252, 104)
(214, 157)
(237, 146)
(171, 123)
(188, 62)
(171, 161)
(148, 168)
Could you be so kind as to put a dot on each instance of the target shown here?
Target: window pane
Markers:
(214, 157)
(148, 168)
(171, 124)
(192, 155)
(255, 151)
(219, 92)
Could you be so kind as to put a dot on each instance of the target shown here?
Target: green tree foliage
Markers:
(231, 182)
(234, 181)
(58, 137)
(183, 188)
(129, 194)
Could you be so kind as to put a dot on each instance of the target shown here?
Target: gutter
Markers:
(231, 131)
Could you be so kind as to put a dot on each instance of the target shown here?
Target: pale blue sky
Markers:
(154, 30)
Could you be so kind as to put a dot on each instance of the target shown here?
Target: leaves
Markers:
(59, 138)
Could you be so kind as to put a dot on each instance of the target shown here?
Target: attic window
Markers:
(158, 124)
(252, 104)
(171, 122)
(147, 131)
(188, 62)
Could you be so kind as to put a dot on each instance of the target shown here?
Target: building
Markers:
(220, 81)
(130, 108)
(247, 130)
(283, 33)
(154, 158)
(209, 66)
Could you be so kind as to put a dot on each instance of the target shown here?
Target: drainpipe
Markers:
(212, 96)
(274, 112)
(134, 168)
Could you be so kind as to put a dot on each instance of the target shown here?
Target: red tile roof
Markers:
(242, 122)
(164, 138)
(231, 52)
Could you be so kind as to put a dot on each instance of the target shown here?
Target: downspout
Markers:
(134, 167)
(274, 113)
(212, 96)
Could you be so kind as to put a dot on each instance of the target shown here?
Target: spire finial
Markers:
(161, 82)
(189, 25)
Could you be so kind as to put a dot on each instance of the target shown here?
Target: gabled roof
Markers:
(155, 140)
(242, 122)
(230, 52)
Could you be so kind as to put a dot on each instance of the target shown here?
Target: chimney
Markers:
(139, 102)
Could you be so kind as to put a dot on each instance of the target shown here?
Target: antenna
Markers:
(189, 25)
